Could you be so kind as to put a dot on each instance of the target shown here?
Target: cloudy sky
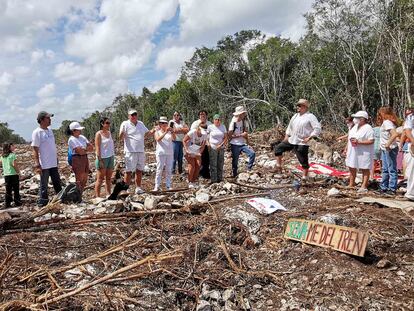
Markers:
(72, 57)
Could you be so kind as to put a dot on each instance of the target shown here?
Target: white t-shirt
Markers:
(165, 145)
(197, 123)
(75, 142)
(195, 140)
(360, 156)
(301, 127)
(216, 135)
(238, 127)
(45, 141)
(134, 136)
(385, 134)
(178, 126)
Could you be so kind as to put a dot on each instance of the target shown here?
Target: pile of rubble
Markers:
(203, 249)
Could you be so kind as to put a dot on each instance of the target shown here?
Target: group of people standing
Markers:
(203, 145)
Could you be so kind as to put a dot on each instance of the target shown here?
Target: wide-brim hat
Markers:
(239, 110)
(303, 102)
(360, 114)
(75, 126)
(163, 120)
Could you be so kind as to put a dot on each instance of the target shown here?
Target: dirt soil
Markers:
(199, 257)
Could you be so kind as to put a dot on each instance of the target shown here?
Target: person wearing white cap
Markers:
(164, 153)
(409, 156)
(45, 157)
(303, 126)
(133, 133)
(79, 146)
(238, 138)
(360, 150)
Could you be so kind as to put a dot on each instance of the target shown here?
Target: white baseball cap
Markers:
(360, 114)
(75, 126)
(132, 111)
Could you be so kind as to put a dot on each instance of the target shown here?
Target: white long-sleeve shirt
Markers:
(301, 127)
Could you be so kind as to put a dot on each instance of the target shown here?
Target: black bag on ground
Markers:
(119, 186)
(70, 194)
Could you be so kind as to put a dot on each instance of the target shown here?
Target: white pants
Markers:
(164, 163)
(409, 174)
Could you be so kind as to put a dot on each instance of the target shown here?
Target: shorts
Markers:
(134, 161)
(80, 164)
(301, 152)
(107, 163)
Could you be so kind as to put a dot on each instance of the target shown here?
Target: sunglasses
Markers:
(134, 114)
(107, 122)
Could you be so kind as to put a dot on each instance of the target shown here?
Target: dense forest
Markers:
(7, 135)
(356, 54)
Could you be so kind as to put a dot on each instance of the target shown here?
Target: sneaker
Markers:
(191, 185)
(138, 190)
(362, 190)
(380, 192)
(390, 192)
(156, 189)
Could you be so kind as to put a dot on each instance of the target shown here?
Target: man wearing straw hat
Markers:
(238, 138)
(302, 127)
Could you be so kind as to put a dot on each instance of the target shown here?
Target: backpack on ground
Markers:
(70, 194)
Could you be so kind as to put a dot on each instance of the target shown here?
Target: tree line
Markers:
(356, 54)
(7, 135)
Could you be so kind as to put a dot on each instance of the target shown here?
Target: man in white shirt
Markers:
(302, 127)
(409, 156)
(238, 138)
(205, 156)
(133, 133)
(45, 157)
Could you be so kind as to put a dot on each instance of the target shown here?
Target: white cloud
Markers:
(22, 21)
(170, 60)
(21, 71)
(6, 79)
(203, 23)
(36, 56)
(46, 91)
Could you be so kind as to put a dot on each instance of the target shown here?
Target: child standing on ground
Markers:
(11, 175)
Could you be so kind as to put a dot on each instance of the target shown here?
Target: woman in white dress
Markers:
(164, 153)
(360, 150)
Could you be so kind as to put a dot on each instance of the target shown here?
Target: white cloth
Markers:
(107, 146)
(360, 156)
(165, 145)
(196, 124)
(45, 141)
(216, 135)
(302, 126)
(75, 142)
(164, 163)
(134, 136)
(178, 126)
(134, 161)
(238, 127)
(385, 134)
(409, 174)
(196, 141)
(409, 125)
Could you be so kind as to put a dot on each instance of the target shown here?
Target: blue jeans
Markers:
(44, 181)
(178, 156)
(236, 150)
(389, 178)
